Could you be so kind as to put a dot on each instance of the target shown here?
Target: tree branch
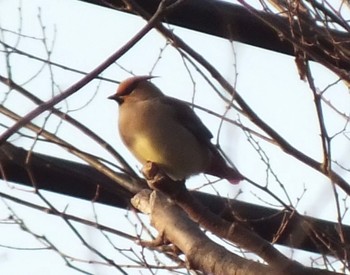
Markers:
(85, 182)
(85, 80)
(238, 23)
(175, 226)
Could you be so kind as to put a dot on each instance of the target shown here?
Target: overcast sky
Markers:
(83, 36)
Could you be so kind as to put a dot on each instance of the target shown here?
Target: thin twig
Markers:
(86, 79)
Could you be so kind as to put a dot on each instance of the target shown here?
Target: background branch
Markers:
(85, 182)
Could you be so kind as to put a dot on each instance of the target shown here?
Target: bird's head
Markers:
(137, 87)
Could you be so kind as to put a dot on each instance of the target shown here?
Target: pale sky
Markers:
(84, 36)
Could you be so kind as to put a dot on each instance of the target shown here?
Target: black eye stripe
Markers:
(129, 88)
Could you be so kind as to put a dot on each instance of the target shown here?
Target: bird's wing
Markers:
(188, 118)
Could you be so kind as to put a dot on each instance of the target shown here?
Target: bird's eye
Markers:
(129, 89)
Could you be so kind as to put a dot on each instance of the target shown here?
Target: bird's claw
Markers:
(150, 170)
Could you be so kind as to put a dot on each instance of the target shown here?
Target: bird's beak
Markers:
(117, 98)
(113, 97)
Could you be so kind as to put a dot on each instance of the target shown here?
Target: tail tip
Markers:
(235, 180)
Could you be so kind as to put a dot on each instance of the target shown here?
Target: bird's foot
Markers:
(162, 244)
(158, 241)
(151, 170)
(158, 180)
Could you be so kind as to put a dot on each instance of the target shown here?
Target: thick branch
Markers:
(235, 231)
(82, 181)
(61, 176)
(201, 253)
(237, 23)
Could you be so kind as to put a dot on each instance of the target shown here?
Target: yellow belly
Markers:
(145, 151)
(176, 159)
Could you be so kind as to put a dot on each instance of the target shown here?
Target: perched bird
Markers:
(167, 132)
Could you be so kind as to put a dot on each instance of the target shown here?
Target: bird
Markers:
(167, 132)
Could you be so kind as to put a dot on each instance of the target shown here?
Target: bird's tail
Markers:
(219, 168)
(226, 172)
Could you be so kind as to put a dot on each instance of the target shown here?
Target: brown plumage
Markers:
(167, 132)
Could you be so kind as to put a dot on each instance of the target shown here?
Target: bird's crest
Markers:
(128, 85)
